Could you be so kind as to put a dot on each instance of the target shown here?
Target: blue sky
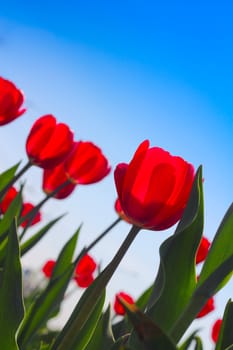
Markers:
(118, 73)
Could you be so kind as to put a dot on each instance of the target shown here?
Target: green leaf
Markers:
(198, 345)
(150, 336)
(11, 300)
(32, 241)
(176, 279)
(49, 300)
(7, 176)
(12, 212)
(188, 341)
(102, 338)
(66, 255)
(93, 294)
(142, 301)
(43, 307)
(210, 280)
(78, 340)
(225, 338)
(124, 326)
(221, 249)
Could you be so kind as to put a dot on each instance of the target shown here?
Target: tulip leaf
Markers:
(7, 176)
(123, 326)
(11, 299)
(186, 344)
(225, 338)
(198, 345)
(142, 301)
(221, 249)
(12, 211)
(74, 337)
(49, 300)
(66, 255)
(210, 280)
(32, 241)
(93, 294)
(149, 335)
(44, 306)
(176, 279)
(102, 338)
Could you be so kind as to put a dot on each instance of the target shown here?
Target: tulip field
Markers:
(156, 190)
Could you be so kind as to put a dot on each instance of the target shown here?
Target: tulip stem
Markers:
(15, 178)
(125, 246)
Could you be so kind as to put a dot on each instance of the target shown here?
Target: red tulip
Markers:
(216, 330)
(86, 164)
(118, 307)
(11, 100)
(208, 307)
(84, 271)
(27, 207)
(54, 178)
(203, 249)
(7, 199)
(48, 142)
(120, 212)
(48, 268)
(154, 188)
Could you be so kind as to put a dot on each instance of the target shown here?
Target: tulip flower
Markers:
(84, 271)
(118, 307)
(203, 249)
(55, 178)
(86, 164)
(216, 330)
(48, 267)
(48, 142)
(26, 209)
(208, 307)
(120, 212)
(154, 188)
(7, 199)
(11, 100)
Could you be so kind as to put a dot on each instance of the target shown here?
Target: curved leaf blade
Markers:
(221, 248)
(225, 339)
(102, 338)
(11, 299)
(176, 279)
(31, 242)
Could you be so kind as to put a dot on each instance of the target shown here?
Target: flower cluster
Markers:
(155, 190)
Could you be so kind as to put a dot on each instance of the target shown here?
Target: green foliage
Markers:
(7, 176)
(102, 338)
(32, 241)
(225, 339)
(177, 265)
(51, 297)
(160, 316)
(11, 300)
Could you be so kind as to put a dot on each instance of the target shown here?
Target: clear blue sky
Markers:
(117, 73)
